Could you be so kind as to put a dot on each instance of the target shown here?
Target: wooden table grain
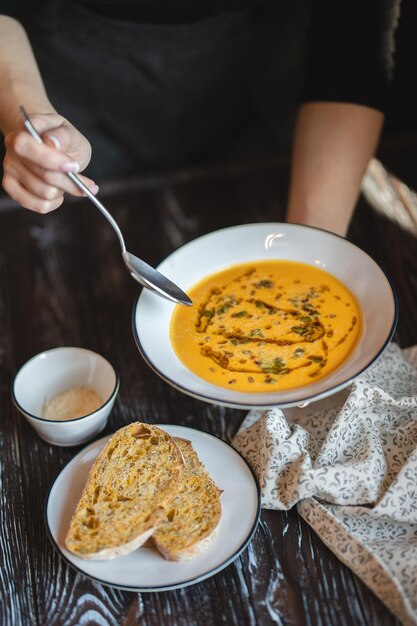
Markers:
(62, 282)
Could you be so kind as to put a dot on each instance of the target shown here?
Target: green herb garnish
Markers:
(316, 359)
(300, 330)
(298, 352)
(256, 332)
(268, 284)
(277, 366)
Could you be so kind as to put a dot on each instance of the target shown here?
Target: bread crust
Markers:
(114, 553)
(191, 552)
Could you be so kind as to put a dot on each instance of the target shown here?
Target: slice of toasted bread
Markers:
(134, 477)
(193, 516)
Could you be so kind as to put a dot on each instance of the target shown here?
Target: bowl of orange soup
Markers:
(282, 315)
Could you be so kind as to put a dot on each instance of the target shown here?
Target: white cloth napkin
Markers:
(349, 463)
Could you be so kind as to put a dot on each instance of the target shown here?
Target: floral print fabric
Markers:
(349, 463)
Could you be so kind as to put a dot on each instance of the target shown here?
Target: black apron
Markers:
(163, 96)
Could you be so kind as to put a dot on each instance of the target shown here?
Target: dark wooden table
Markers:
(62, 282)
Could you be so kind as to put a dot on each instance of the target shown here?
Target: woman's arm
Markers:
(333, 145)
(33, 173)
(19, 75)
(349, 65)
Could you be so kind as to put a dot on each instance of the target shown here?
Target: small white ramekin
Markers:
(49, 373)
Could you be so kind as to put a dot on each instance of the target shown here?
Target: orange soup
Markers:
(266, 326)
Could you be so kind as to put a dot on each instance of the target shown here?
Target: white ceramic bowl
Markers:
(252, 242)
(48, 374)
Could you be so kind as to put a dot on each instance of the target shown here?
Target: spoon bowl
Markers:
(154, 280)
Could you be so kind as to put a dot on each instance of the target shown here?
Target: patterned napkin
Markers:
(349, 463)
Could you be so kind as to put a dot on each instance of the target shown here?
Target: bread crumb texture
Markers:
(194, 513)
(132, 482)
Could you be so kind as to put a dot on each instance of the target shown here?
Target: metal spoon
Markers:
(141, 271)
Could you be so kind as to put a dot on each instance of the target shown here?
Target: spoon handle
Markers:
(32, 130)
(100, 206)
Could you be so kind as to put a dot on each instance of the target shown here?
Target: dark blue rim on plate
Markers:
(185, 583)
(272, 403)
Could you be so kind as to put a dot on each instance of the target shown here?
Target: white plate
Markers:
(145, 569)
(252, 242)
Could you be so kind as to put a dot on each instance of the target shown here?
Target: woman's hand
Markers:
(34, 173)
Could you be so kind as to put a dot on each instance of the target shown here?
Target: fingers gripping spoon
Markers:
(139, 270)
